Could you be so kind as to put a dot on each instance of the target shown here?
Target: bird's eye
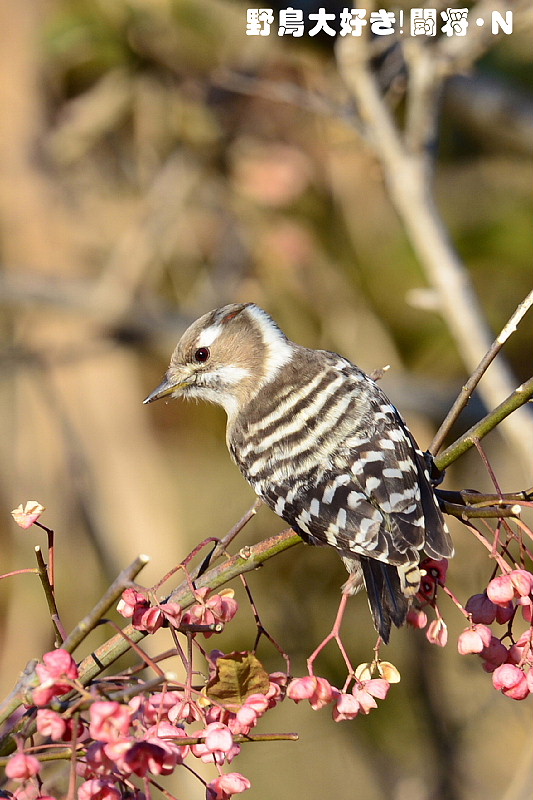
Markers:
(202, 354)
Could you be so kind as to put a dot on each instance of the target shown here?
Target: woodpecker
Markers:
(322, 445)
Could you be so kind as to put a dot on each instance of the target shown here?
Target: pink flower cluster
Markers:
(56, 675)
(142, 738)
(211, 609)
(22, 767)
(225, 786)
(346, 705)
(511, 666)
(148, 737)
(125, 744)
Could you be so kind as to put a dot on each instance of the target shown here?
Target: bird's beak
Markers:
(171, 384)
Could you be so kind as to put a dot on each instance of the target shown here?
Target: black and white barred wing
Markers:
(438, 542)
(373, 496)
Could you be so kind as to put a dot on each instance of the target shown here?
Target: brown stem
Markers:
(50, 599)
(89, 622)
(468, 389)
(518, 398)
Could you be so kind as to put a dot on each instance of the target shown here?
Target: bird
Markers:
(323, 446)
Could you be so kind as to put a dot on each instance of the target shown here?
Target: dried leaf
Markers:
(238, 676)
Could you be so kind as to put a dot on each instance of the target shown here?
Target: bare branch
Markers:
(515, 400)
(50, 599)
(472, 382)
(88, 623)
(248, 559)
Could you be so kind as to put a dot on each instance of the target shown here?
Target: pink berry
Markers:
(511, 681)
(500, 590)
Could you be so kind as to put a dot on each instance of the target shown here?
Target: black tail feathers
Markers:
(387, 602)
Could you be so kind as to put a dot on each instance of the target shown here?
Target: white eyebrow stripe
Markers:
(208, 336)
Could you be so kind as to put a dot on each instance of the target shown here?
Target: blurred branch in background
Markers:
(407, 161)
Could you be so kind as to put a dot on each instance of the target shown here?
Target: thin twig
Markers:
(89, 622)
(469, 512)
(123, 695)
(50, 599)
(524, 528)
(246, 560)
(27, 571)
(132, 643)
(467, 390)
(237, 528)
(261, 630)
(279, 92)
(469, 497)
(183, 564)
(488, 546)
(71, 793)
(219, 548)
(51, 554)
(488, 466)
(515, 400)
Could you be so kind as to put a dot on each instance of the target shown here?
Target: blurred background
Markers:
(155, 163)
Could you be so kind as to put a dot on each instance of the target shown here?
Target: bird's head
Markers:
(226, 357)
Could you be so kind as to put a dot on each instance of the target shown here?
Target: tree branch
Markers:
(248, 559)
(472, 382)
(515, 400)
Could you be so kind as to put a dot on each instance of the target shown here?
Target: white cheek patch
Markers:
(231, 374)
(209, 335)
(220, 398)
